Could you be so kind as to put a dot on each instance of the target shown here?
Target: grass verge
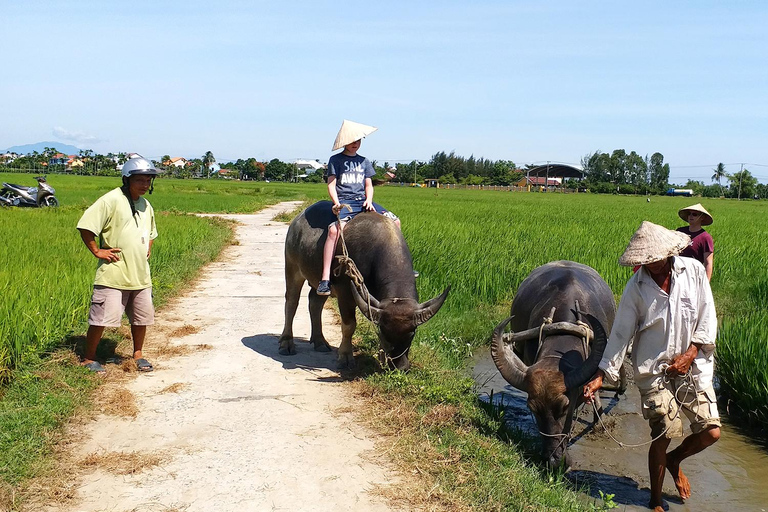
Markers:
(455, 451)
(46, 392)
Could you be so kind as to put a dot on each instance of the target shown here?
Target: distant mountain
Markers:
(40, 146)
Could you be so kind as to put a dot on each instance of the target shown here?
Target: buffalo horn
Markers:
(427, 310)
(581, 375)
(510, 366)
(367, 303)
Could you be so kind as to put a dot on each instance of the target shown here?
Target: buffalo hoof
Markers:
(321, 346)
(287, 348)
(346, 362)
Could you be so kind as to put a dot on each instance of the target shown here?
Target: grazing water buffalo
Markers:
(554, 362)
(387, 297)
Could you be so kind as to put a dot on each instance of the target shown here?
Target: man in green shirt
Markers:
(124, 223)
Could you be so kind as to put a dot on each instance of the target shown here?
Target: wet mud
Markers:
(731, 475)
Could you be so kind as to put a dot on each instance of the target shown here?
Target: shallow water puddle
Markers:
(730, 475)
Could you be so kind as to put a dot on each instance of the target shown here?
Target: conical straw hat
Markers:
(706, 221)
(350, 132)
(652, 242)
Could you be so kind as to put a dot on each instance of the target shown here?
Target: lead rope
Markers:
(688, 382)
(347, 266)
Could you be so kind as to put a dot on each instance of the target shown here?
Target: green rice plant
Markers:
(742, 364)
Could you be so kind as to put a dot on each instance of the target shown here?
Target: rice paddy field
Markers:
(482, 243)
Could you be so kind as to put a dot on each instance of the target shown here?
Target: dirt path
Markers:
(237, 426)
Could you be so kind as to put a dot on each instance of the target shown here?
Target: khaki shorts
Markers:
(109, 304)
(662, 410)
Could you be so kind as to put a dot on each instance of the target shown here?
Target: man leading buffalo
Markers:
(667, 307)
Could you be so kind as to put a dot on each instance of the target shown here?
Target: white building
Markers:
(309, 166)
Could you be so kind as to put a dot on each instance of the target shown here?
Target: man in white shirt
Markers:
(667, 307)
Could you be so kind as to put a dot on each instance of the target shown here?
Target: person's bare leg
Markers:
(92, 339)
(328, 250)
(691, 445)
(657, 467)
(138, 333)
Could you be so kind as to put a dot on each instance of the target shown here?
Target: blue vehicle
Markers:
(685, 192)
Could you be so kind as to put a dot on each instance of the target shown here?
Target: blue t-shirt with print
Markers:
(350, 172)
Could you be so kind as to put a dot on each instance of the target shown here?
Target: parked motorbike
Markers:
(18, 195)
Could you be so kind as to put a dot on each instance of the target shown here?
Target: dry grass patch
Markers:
(184, 330)
(406, 443)
(168, 349)
(115, 400)
(440, 415)
(174, 388)
(7, 496)
(123, 463)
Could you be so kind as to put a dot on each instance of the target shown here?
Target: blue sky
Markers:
(523, 81)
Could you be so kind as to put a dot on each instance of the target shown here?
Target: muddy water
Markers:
(731, 475)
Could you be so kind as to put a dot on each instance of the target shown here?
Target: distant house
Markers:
(8, 157)
(539, 181)
(309, 166)
(73, 163)
(176, 162)
(59, 159)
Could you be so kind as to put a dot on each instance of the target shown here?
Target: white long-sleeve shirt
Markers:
(664, 325)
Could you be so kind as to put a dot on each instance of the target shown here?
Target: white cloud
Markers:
(75, 136)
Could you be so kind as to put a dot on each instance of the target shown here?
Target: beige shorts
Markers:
(109, 304)
(662, 410)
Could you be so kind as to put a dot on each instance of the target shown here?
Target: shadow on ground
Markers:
(307, 358)
(104, 351)
(626, 490)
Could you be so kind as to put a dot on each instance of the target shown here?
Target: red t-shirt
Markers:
(701, 246)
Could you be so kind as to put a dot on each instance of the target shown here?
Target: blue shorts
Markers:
(357, 207)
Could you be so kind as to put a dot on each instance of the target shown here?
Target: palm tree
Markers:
(719, 174)
(208, 160)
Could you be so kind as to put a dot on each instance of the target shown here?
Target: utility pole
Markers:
(741, 175)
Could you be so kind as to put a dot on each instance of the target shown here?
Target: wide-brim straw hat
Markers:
(350, 132)
(652, 242)
(683, 213)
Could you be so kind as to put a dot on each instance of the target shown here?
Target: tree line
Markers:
(615, 172)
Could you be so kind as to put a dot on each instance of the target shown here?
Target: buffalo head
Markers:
(396, 320)
(554, 387)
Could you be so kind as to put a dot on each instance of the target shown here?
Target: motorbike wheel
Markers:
(50, 201)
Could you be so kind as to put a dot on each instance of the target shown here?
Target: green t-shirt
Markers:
(110, 219)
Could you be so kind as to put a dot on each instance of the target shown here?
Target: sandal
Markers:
(143, 365)
(95, 367)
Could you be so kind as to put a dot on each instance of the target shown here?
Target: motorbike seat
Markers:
(20, 187)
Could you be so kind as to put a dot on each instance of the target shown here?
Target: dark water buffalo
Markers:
(388, 296)
(554, 372)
